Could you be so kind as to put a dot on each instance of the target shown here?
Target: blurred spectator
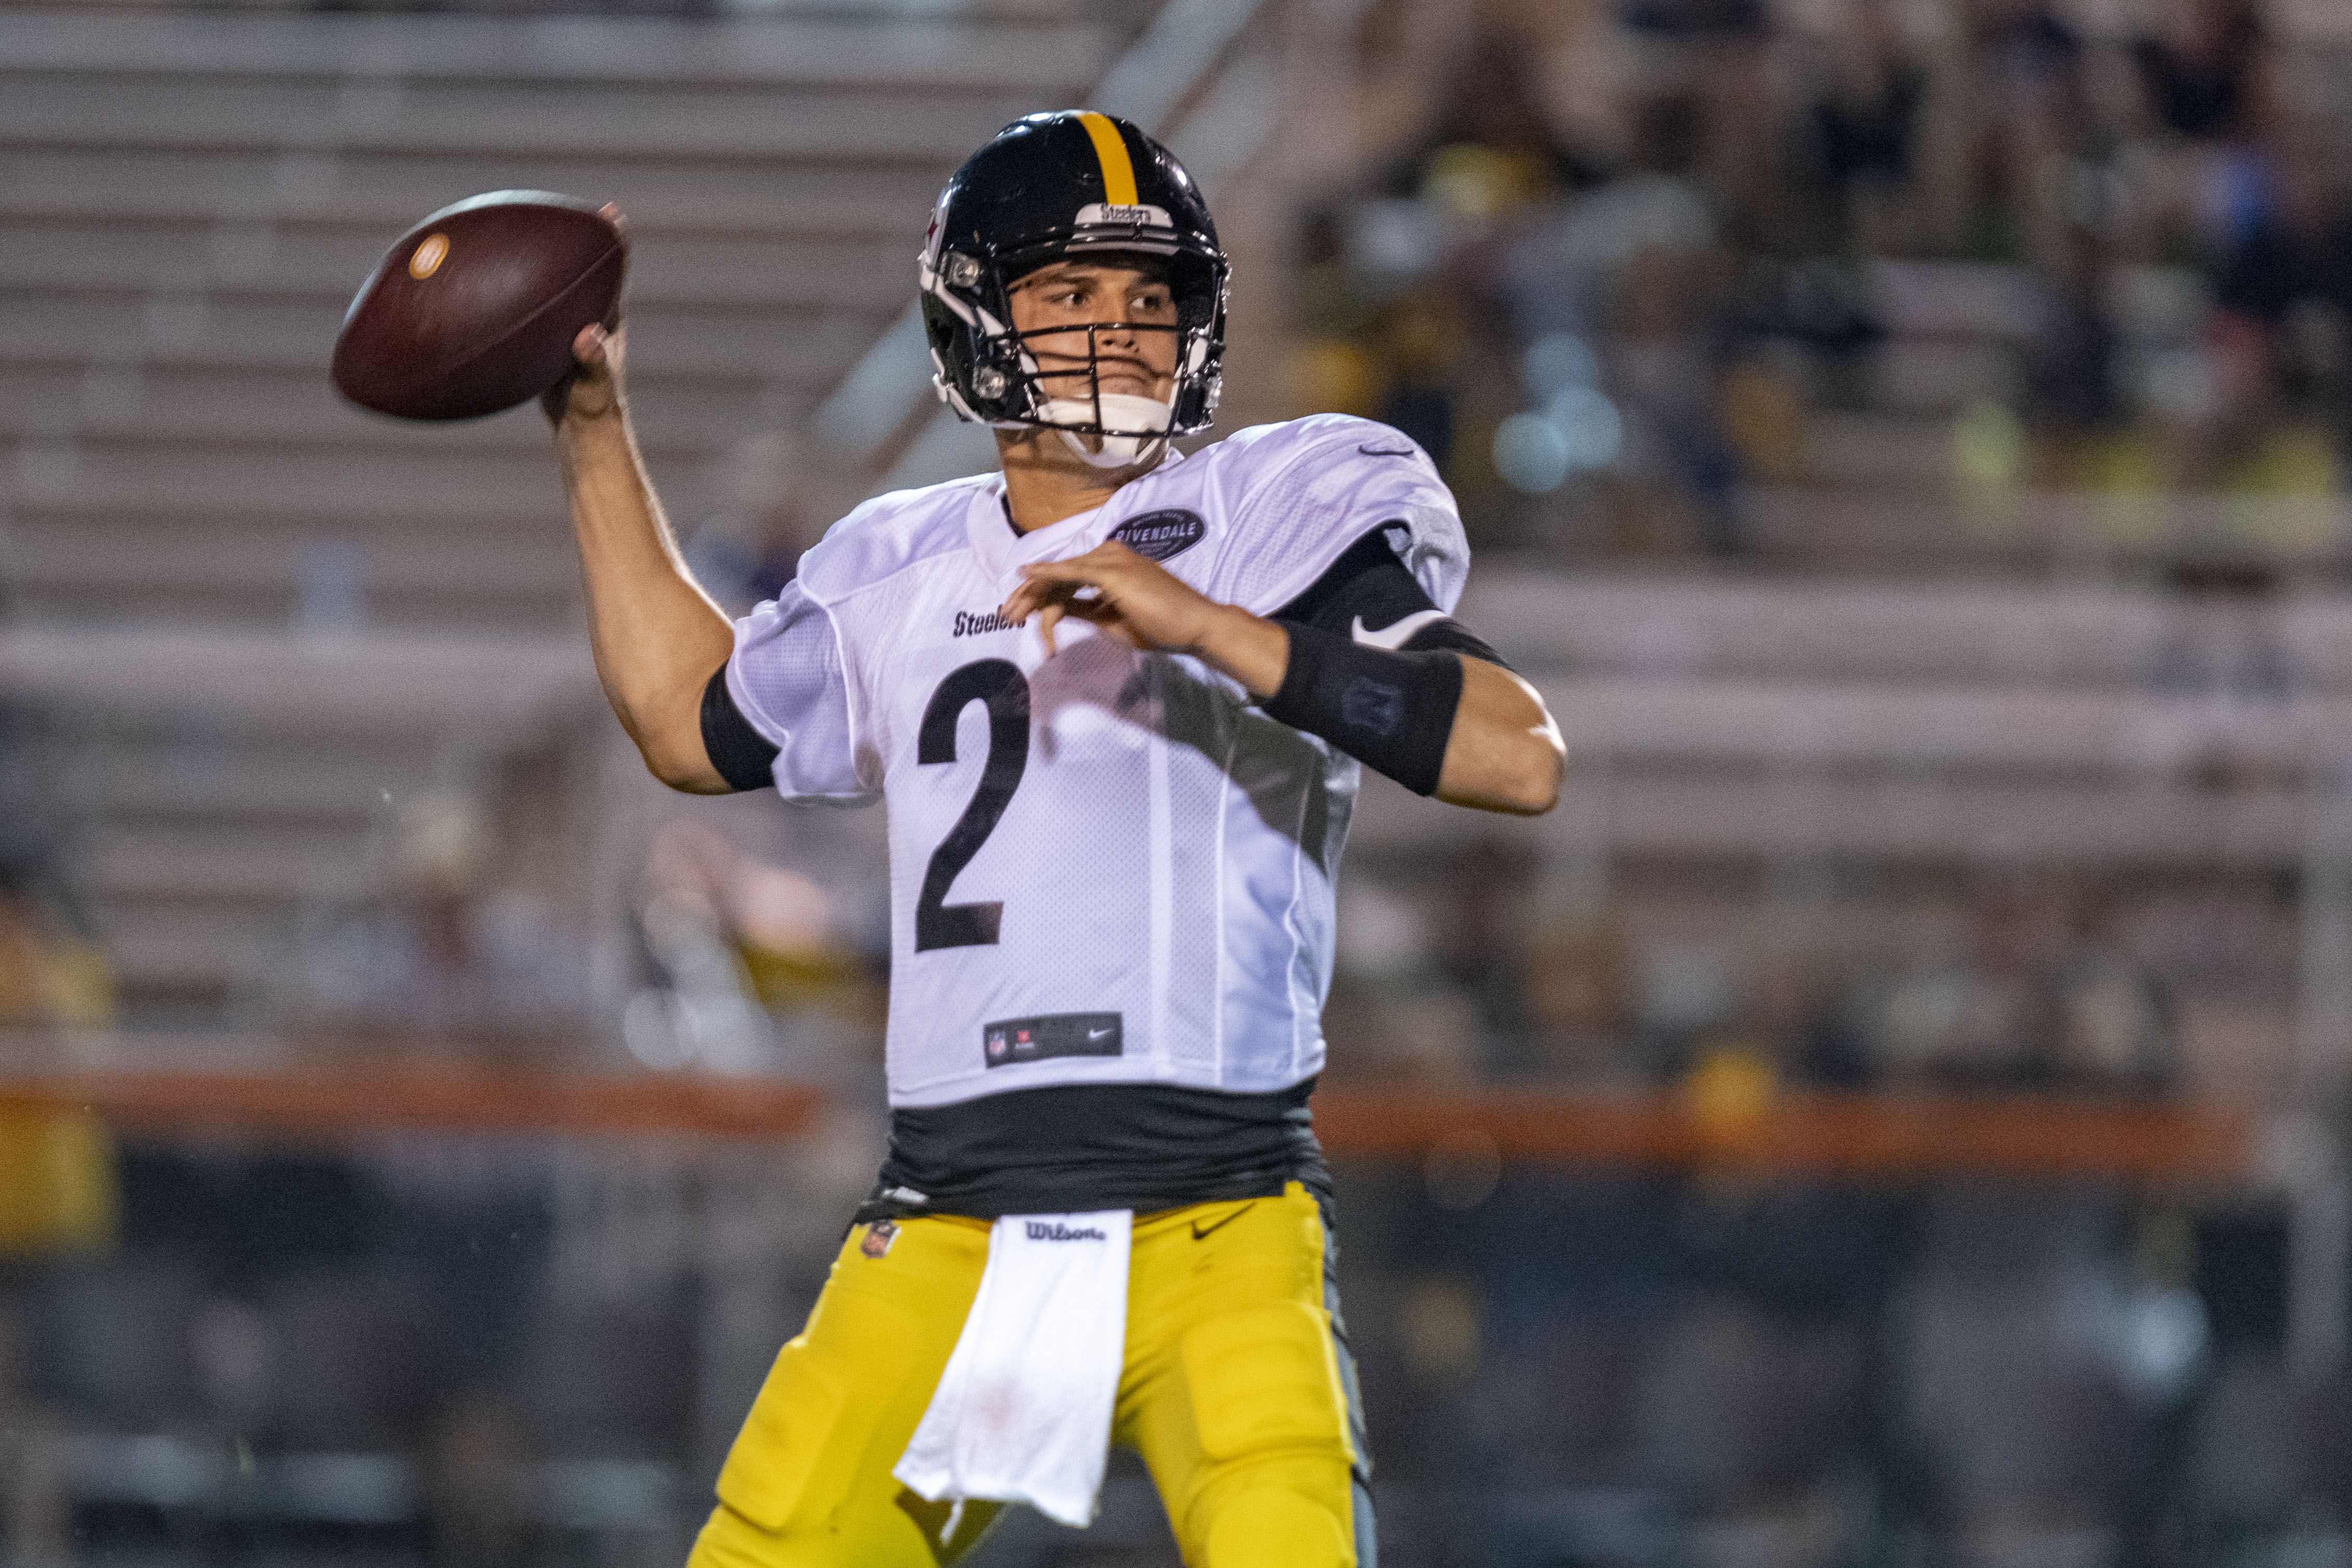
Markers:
(1797, 1012)
(780, 491)
(1578, 1007)
(1392, 1014)
(1641, 250)
(727, 938)
(2052, 997)
(1491, 149)
(51, 972)
(479, 1482)
(35, 1513)
(2029, 65)
(2205, 75)
(1679, 287)
(1479, 912)
(1420, 340)
(58, 1192)
(1864, 131)
(2006, 1338)
(2069, 361)
(1410, 294)
(57, 1188)
(1987, 1022)
(449, 949)
(701, 1011)
(1697, 19)
(1746, 1414)
(2117, 1026)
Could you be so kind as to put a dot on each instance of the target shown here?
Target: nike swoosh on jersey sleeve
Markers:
(1396, 637)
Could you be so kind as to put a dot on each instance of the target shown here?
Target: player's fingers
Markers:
(1076, 572)
(1098, 568)
(1047, 619)
(1026, 601)
(1100, 611)
(611, 213)
(1038, 592)
(588, 345)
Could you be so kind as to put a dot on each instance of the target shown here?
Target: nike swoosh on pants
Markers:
(1396, 637)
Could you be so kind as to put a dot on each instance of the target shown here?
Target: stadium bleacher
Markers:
(186, 204)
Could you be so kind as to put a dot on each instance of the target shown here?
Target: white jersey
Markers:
(1106, 867)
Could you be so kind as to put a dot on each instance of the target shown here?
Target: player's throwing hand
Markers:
(593, 388)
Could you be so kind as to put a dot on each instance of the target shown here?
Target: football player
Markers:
(1116, 697)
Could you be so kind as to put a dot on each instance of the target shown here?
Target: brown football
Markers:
(475, 309)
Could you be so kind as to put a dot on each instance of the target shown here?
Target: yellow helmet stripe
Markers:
(1110, 147)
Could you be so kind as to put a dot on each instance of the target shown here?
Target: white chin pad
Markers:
(1140, 427)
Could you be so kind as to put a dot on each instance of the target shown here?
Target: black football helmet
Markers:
(1055, 185)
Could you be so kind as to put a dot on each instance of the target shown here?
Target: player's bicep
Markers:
(779, 713)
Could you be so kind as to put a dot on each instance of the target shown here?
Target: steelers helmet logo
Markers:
(428, 256)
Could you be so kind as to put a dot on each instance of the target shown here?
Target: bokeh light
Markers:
(1532, 454)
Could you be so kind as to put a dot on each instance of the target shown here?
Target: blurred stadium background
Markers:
(1894, 1111)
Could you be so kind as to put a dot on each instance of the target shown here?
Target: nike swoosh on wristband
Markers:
(1396, 637)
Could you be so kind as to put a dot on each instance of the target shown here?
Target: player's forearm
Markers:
(1441, 722)
(1250, 649)
(657, 636)
(1505, 754)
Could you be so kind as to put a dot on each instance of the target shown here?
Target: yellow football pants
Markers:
(1236, 1393)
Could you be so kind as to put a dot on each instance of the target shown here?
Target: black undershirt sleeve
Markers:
(1391, 708)
(742, 755)
(1369, 582)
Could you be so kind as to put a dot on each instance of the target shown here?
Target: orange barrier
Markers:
(1872, 1136)
(316, 1101)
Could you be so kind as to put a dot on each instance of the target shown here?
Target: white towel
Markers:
(1023, 1411)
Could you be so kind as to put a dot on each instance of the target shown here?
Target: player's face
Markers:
(1123, 304)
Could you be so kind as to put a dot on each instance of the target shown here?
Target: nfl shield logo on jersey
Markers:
(996, 1045)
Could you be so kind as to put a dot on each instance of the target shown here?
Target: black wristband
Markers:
(1392, 711)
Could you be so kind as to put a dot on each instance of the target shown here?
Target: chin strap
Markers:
(1139, 427)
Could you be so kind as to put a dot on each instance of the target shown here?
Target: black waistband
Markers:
(1076, 1147)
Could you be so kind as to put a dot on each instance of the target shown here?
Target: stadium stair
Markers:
(190, 517)
(1926, 722)
(1916, 469)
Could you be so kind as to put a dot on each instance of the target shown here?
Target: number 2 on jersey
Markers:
(1002, 687)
